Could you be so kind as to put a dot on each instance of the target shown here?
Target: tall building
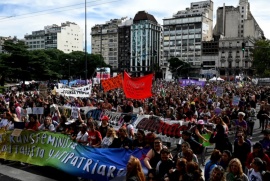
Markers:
(236, 26)
(68, 37)
(145, 44)
(124, 43)
(104, 41)
(185, 31)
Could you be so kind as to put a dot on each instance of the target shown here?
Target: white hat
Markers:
(241, 113)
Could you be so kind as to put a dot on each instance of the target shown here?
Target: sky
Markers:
(20, 17)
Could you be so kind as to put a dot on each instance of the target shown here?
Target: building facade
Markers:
(236, 26)
(105, 41)
(185, 31)
(68, 37)
(124, 44)
(145, 44)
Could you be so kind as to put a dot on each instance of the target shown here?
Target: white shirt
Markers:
(106, 142)
(82, 137)
(3, 123)
(255, 176)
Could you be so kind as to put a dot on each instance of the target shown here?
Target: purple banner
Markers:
(186, 82)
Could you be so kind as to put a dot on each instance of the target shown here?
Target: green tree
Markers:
(179, 67)
(261, 57)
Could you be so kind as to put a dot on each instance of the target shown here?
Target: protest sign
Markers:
(236, 100)
(207, 137)
(38, 110)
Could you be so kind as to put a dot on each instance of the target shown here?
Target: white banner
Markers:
(84, 91)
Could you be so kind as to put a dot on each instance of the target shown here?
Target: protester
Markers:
(47, 125)
(184, 146)
(165, 164)
(134, 170)
(33, 124)
(108, 139)
(257, 152)
(241, 149)
(94, 136)
(257, 169)
(122, 141)
(212, 163)
(178, 173)
(82, 136)
(235, 171)
(151, 175)
(217, 174)
(225, 159)
(153, 156)
(139, 141)
(103, 128)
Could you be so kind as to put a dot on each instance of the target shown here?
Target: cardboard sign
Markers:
(43, 90)
(38, 110)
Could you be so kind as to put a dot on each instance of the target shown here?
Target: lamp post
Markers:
(85, 49)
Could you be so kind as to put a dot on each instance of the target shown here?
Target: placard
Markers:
(38, 110)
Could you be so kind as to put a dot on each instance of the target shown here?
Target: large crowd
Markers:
(207, 112)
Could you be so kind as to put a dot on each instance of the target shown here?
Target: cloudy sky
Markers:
(19, 17)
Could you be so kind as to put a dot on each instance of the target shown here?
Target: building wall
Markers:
(145, 46)
(232, 23)
(184, 32)
(68, 37)
(105, 41)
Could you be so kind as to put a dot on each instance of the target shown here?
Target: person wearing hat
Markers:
(266, 141)
(103, 128)
(240, 123)
(200, 130)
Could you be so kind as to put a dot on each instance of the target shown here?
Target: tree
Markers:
(261, 57)
(178, 67)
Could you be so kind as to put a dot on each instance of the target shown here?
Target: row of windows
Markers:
(36, 46)
(182, 20)
(34, 42)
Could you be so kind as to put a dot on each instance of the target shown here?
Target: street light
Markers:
(85, 49)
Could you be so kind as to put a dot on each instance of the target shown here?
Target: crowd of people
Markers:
(207, 112)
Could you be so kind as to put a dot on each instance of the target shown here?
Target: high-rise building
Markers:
(68, 37)
(104, 41)
(145, 44)
(185, 31)
(124, 43)
(236, 26)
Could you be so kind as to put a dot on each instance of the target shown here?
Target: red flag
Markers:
(112, 83)
(137, 87)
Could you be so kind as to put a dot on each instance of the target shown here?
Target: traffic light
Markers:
(243, 46)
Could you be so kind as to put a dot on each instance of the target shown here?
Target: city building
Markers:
(124, 44)
(68, 37)
(184, 33)
(236, 27)
(209, 58)
(104, 41)
(145, 44)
